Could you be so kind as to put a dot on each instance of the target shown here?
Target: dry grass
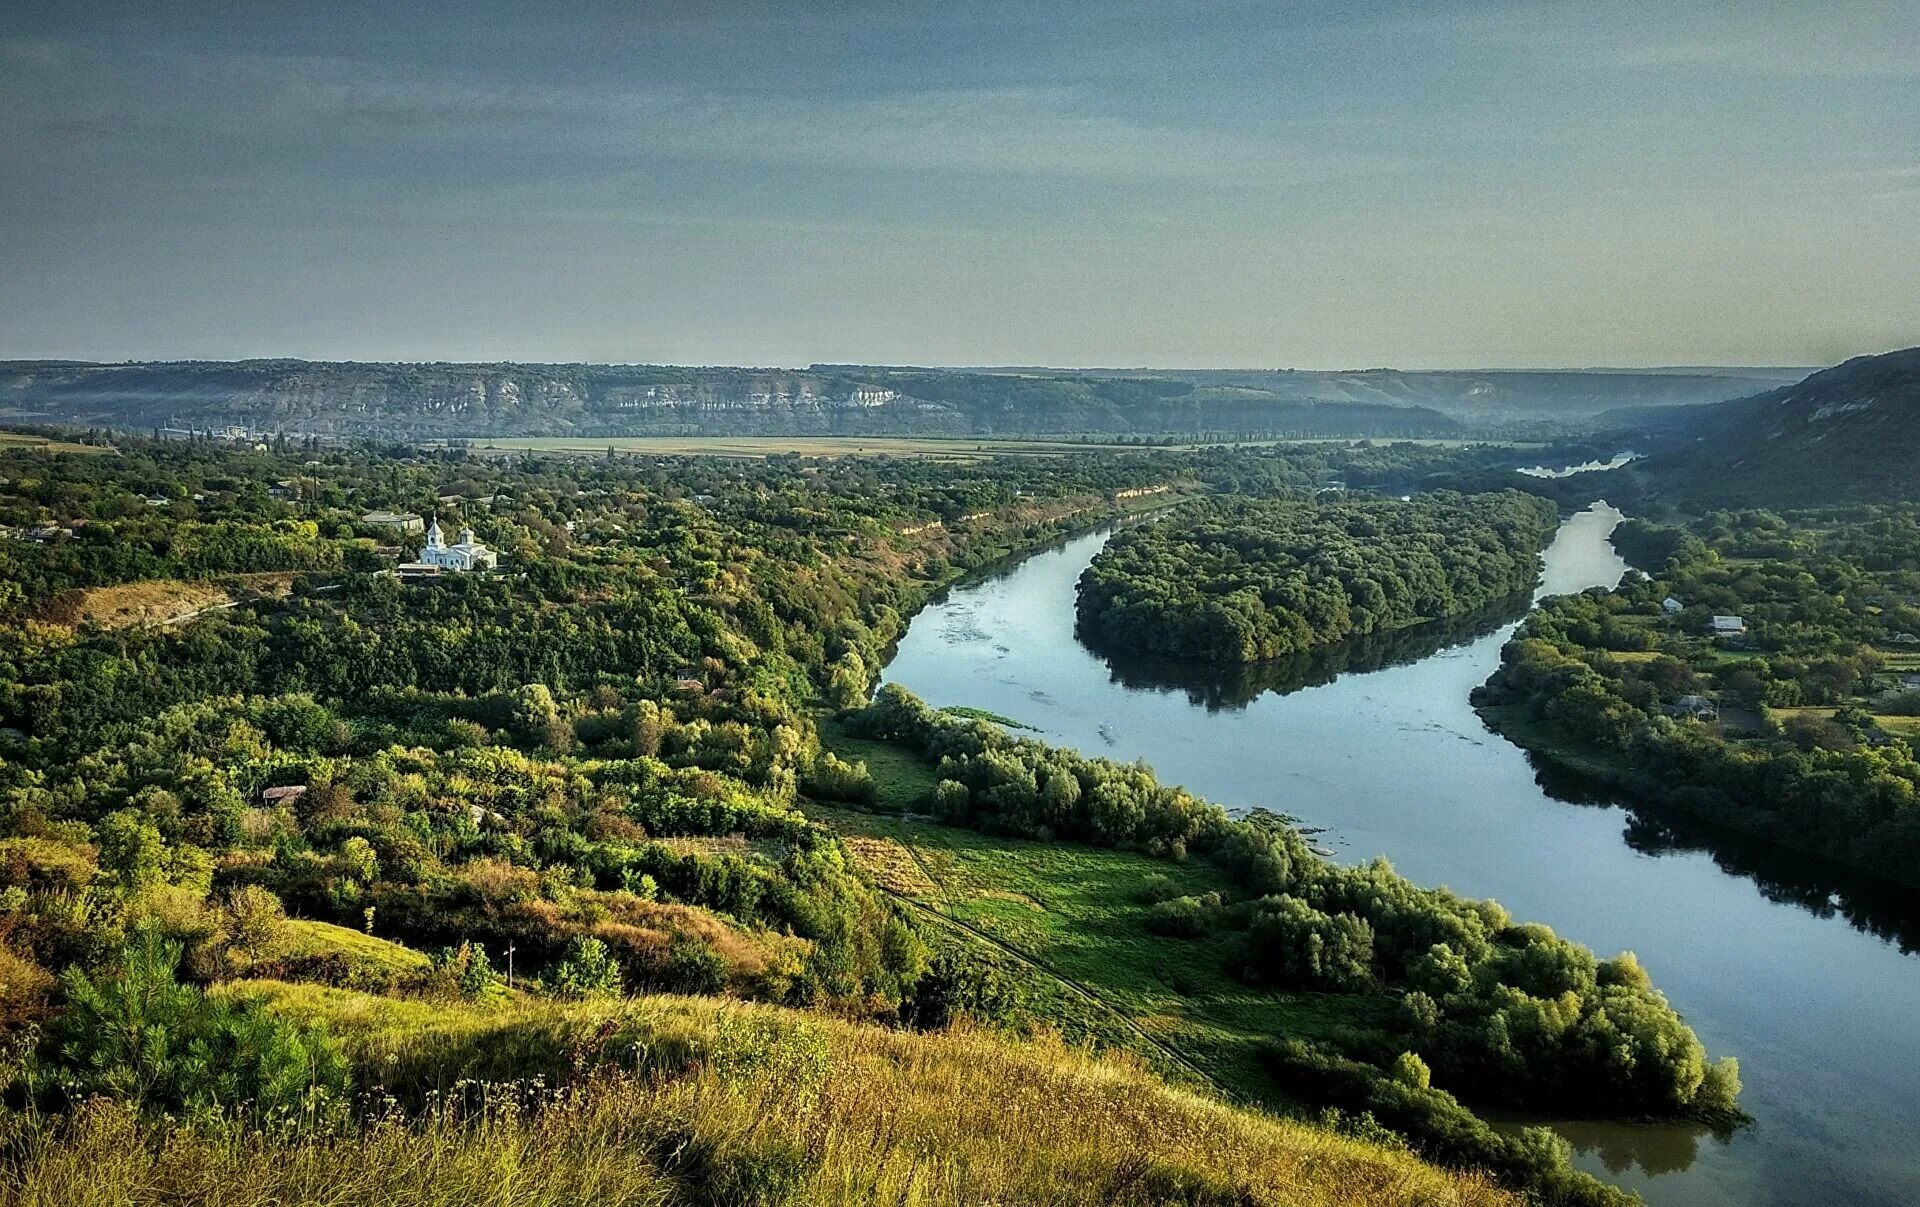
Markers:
(891, 865)
(755, 1105)
(18, 440)
(714, 845)
(156, 601)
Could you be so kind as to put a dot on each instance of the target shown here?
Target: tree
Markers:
(360, 860)
(847, 682)
(537, 720)
(256, 922)
(131, 850)
(1409, 1070)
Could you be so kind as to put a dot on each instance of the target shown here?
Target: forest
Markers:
(1253, 580)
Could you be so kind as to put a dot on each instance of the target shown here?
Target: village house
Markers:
(1700, 708)
(275, 797)
(402, 522)
(1728, 626)
(1671, 605)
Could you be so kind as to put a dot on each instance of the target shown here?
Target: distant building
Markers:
(1698, 707)
(1904, 639)
(159, 501)
(282, 796)
(402, 522)
(1728, 626)
(468, 554)
(1671, 605)
(1910, 683)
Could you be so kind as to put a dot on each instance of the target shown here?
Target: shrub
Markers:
(955, 987)
(693, 967)
(588, 970)
(1185, 917)
(1155, 888)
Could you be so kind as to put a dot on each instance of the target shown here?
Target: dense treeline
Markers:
(1794, 725)
(1250, 581)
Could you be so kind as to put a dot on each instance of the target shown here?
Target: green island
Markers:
(325, 859)
(1763, 673)
(1254, 580)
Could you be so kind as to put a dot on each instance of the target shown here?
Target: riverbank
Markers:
(1540, 740)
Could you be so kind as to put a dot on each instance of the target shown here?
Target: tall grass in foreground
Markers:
(694, 1101)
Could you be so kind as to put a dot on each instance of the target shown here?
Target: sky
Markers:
(1104, 182)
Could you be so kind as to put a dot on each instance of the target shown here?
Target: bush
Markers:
(693, 967)
(955, 987)
(1906, 704)
(1155, 888)
(464, 971)
(588, 970)
(1186, 917)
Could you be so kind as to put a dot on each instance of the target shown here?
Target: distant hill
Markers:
(1848, 433)
(413, 401)
(1481, 393)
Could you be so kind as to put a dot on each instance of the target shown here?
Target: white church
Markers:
(469, 554)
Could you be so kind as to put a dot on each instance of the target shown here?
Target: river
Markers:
(1803, 972)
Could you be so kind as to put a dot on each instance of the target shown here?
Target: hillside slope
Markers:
(731, 1103)
(1848, 433)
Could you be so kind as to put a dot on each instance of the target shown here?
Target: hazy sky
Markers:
(1114, 182)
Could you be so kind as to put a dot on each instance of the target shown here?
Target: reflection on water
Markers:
(1825, 889)
(1622, 1148)
(1228, 686)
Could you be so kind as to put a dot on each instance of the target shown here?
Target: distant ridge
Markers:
(447, 400)
(1849, 433)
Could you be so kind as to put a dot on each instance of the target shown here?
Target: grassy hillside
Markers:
(698, 1101)
(1075, 913)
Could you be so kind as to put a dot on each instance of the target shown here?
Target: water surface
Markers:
(1801, 970)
